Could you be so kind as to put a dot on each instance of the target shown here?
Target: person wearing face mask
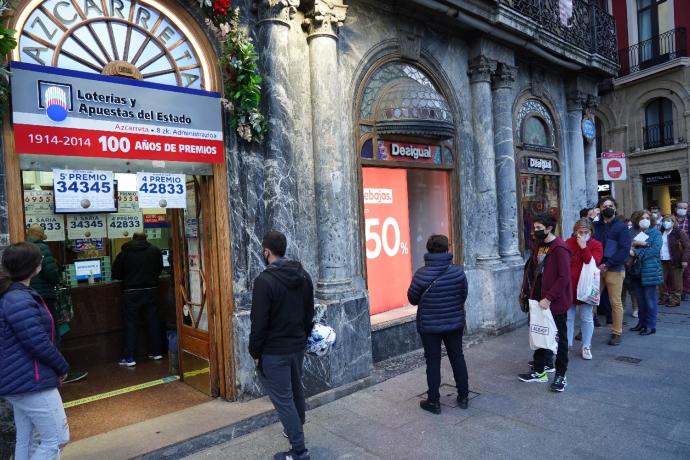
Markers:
(684, 225)
(655, 215)
(614, 235)
(32, 366)
(647, 247)
(675, 253)
(548, 280)
(583, 248)
(282, 318)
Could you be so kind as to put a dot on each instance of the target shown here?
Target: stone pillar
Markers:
(684, 184)
(591, 176)
(280, 183)
(575, 162)
(506, 182)
(485, 161)
(333, 183)
(637, 192)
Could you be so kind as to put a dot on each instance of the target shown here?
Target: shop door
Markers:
(192, 259)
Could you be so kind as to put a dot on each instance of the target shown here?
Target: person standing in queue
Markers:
(32, 366)
(550, 282)
(684, 226)
(675, 254)
(439, 289)
(138, 266)
(647, 246)
(281, 320)
(614, 235)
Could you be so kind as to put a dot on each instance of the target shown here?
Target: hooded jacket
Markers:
(282, 310)
(28, 357)
(616, 239)
(138, 265)
(442, 308)
(44, 283)
(555, 281)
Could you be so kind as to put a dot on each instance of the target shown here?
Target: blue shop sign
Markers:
(589, 129)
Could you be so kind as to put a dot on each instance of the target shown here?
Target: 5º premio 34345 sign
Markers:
(83, 191)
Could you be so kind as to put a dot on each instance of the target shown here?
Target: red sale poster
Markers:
(387, 227)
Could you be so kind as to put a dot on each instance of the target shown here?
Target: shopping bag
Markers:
(588, 288)
(542, 328)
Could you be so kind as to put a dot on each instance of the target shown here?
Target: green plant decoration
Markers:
(7, 44)
(241, 79)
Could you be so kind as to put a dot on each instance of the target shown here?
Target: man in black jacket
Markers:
(282, 318)
(138, 266)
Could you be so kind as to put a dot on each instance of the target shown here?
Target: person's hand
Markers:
(639, 244)
(62, 378)
(684, 264)
(545, 304)
(256, 362)
(632, 253)
(603, 267)
(581, 241)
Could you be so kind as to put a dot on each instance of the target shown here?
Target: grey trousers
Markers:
(281, 376)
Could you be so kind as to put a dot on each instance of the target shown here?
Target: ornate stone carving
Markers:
(504, 76)
(277, 10)
(480, 69)
(575, 100)
(591, 104)
(410, 42)
(323, 17)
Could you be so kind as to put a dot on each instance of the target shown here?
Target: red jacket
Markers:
(579, 258)
(555, 281)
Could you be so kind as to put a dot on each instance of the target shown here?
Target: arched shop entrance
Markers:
(116, 127)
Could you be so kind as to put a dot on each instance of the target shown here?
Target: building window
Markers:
(538, 165)
(658, 130)
(406, 153)
(654, 17)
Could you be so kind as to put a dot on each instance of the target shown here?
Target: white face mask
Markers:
(595, 219)
(682, 212)
(644, 224)
(586, 237)
(668, 225)
(655, 215)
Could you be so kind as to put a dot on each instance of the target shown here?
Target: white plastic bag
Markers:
(588, 290)
(542, 328)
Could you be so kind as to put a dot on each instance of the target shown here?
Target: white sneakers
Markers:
(635, 313)
(586, 353)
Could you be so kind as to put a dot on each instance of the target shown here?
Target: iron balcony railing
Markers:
(658, 135)
(662, 48)
(578, 22)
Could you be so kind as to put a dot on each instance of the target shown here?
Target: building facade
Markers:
(387, 122)
(644, 111)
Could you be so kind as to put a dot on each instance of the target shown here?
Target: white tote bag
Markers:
(542, 328)
(588, 289)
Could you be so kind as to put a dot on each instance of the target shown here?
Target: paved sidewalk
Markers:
(613, 408)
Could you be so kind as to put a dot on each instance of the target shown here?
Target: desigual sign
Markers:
(401, 151)
(540, 164)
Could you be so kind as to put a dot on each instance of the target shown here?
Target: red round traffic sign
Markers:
(614, 169)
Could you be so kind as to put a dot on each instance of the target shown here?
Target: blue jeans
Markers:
(646, 299)
(586, 322)
(39, 412)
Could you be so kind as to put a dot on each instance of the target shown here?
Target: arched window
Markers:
(658, 129)
(535, 132)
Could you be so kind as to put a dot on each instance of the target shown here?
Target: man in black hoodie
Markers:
(138, 266)
(282, 318)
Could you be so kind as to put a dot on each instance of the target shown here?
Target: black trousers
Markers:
(281, 376)
(138, 302)
(432, 353)
(542, 356)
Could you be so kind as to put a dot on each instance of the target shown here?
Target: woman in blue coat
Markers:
(439, 289)
(32, 367)
(652, 275)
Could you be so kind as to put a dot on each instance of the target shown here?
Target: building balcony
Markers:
(579, 23)
(657, 50)
(658, 135)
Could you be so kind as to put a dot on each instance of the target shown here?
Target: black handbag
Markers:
(633, 267)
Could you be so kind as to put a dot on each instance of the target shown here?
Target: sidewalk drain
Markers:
(628, 359)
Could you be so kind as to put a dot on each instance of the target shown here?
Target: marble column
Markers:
(506, 182)
(333, 183)
(684, 184)
(280, 182)
(485, 161)
(577, 192)
(637, 192)
(591, 177)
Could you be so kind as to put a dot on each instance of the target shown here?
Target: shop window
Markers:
(658, 129)
(535, 132)
(406, 148)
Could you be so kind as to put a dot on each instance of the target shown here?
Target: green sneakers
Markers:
(534, 377)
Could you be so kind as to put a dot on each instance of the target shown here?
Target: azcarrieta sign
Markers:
(66, 112)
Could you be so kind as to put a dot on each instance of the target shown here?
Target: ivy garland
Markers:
(7, 44)
(241, 79)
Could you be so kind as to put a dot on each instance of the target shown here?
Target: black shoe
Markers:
(578, 337)
(615, 339)
(462, 402)
(75, 376)
(433, 407)
(292, 455)
(643, 330)
(648, 332)
(559, 383)
(636, 328)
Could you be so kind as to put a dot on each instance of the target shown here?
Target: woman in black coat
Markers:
(439, 289)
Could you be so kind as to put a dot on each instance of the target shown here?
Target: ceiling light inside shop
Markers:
(126, 182)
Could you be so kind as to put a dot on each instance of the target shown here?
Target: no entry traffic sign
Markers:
(613, 166)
